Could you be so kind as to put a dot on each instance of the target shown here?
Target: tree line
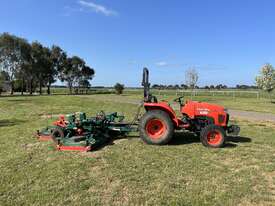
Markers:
(209, 87)
(32, 66)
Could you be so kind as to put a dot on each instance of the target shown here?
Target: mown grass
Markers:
(128, 172)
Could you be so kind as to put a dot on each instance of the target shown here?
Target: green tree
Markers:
(14, 53)
(266, 79)
(119, 88)
(20, 86)
(36, 69)
(71, 72)
(4, 78)
(87, 74)
(21, 79)
(85, 85)
(42, 65)
(58, 62)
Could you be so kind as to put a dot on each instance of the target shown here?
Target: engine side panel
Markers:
(195, 109)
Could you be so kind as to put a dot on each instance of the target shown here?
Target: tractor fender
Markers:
(164, 107)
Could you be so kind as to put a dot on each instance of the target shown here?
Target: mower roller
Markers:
(210, 122)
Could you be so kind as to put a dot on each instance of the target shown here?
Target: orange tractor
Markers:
(208, 121)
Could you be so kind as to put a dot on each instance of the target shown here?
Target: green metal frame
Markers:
(95, 131)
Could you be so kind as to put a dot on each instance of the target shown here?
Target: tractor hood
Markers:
(210, 107)
(193, 108)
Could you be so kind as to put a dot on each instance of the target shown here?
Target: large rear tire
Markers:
(213, 136)
(156, 127)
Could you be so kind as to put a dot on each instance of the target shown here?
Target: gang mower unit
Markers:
(85, 134)
(208, 121)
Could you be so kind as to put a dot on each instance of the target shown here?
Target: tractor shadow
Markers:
(10, 122)
(232, 141)
(116, 139)
(181, 138)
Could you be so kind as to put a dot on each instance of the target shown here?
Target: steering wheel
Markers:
(179, 100)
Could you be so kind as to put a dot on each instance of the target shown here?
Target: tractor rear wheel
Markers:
(213, 136)
(156, 127)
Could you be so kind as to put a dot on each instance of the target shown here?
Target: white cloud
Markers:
(162, 64)
(97, 8)
(132, 62)
(68, 10)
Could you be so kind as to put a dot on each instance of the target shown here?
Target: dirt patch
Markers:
(30, 145)
(252, 116)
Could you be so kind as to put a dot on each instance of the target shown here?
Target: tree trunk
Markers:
(40, 87)
(31, 87)
(12, 87)
(22, 86)
(49, 89)
(71, 89)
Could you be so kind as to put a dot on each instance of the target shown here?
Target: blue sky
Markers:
(226, 40)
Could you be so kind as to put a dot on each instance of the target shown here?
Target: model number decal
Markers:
(203, 111)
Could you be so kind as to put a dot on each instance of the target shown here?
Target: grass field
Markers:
(128, 172)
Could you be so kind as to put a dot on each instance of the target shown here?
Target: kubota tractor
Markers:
(208, 121)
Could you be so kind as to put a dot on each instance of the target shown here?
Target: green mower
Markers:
(79, 133)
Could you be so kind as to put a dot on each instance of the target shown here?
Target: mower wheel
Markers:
(213, 136)
(57, 133)
(156, 127)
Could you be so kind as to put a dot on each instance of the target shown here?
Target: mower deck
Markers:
(85, 134)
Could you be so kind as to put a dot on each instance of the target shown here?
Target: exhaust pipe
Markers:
(146, 85)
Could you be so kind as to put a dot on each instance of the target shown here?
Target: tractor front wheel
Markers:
(213, 136)
(156, 127)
